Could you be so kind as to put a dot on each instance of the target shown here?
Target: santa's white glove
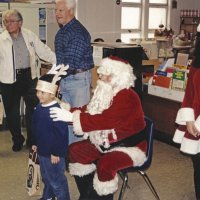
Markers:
(60, 114)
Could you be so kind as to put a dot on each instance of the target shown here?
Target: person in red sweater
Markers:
(112, 125)
(188, 116)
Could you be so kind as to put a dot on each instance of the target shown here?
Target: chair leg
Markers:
(148, 182)
(124, 178)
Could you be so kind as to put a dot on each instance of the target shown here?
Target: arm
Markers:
(42, 50)
(189, 91)
(186, 112)
(60, 139)
(125, 116)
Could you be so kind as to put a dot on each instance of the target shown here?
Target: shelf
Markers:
(190, 24)
(191, 17)
(166, 93)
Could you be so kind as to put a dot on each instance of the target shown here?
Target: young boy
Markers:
(50, 141)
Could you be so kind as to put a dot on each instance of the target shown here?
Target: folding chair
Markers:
(149, 131)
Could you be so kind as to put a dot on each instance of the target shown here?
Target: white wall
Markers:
(102, 17)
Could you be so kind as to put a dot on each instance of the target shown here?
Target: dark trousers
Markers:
(196, 166)
(11, 95)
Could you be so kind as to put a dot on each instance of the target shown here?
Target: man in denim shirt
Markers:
(73, 48)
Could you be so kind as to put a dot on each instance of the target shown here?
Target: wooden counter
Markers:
(163, 112)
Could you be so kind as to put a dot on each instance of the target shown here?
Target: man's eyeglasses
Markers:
(10, 21)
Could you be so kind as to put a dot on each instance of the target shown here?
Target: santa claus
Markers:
(188, 116)
(112, 125)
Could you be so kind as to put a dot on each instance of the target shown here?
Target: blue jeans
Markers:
(75, 90)
(54, 179)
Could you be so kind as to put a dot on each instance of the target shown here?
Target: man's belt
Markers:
(22, 71)
(81, 70)
(72, 71)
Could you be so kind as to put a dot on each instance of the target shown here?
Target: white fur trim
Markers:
(76, 123)
(107, 187)
(79, 169)
(197, 123)
(137, 155)
(190, 146)
(184, 115)
(178, 136)
(100, 138)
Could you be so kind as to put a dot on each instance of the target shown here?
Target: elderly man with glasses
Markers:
(18, 73)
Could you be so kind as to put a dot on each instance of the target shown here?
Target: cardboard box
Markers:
(166, 93)
(154, 62)
(162, 81)
(179, 80)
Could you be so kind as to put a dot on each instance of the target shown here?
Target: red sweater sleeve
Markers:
(189, 92)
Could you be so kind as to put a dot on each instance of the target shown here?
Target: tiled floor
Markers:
(170, 173)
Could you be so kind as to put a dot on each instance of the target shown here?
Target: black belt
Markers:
(81, 70)
(22, 71)
(71, 71)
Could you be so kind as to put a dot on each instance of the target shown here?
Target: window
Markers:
(157, 16)
(132, 1)
(139, 20)
(131, 12)
(158, 1)
(130, 18)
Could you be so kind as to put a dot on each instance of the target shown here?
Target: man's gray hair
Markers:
(14, 12)
(71, 4)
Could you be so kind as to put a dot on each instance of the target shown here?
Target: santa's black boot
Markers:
(84, 185)
(95, 196)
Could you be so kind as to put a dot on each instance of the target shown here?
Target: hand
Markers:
(55, 159)
(192, 129)
(34, 148)
(60, 114)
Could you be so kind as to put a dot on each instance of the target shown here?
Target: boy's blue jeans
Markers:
(54, 179)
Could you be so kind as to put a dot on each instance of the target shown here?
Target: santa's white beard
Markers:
(102, 98)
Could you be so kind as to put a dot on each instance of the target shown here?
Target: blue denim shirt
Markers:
(72, 46)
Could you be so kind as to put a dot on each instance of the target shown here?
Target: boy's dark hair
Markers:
(48, 78)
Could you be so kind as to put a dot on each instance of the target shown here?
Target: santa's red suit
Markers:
(190, 111)
(113, 134)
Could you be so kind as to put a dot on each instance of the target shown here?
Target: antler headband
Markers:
(51, 87)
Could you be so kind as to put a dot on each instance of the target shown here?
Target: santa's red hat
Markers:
(120, 70)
